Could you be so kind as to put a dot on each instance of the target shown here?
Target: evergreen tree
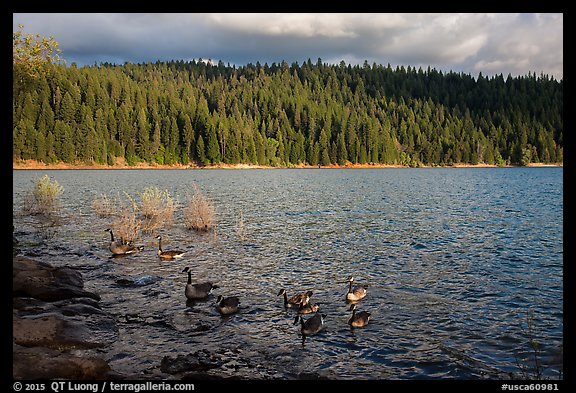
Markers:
(201, 151)
(342, 152)
(213, 148)
(143, 136)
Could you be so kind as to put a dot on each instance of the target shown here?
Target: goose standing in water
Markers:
(228, 305)
(356, 293)
(296, 300)
(172, 254)
(197, 291)
(359, 319)
(312, 325)
(119, 248)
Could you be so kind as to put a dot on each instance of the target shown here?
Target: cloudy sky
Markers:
(503, 43)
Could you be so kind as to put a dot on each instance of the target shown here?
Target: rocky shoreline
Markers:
(60, 332)
(57, 324)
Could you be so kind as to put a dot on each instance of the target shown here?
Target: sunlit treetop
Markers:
(31, 53)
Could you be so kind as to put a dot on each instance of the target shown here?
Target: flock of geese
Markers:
(231, 304)
(121, 248)
(315, 323)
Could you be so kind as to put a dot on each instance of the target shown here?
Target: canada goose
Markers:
(197, 291)
(172, 254)
(119, 248)
(228, 305)
(358, 319)
(308, 308)
(296, 300)
(312, 325)
(356, 293)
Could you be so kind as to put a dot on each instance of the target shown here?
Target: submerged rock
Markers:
(138, 281)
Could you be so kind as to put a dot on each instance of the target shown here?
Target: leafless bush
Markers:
(157, 209)
(104, 206)
(126, 225)
(199, 213)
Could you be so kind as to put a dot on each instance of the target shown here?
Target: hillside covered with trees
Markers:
(200, 113)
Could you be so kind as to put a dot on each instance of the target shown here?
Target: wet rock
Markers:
(69, 307)
(45, 363)
(56, 330)
(311, 376)
(53, 316)
(201, 360)
(138, 281)
(40, 280)
(202, 376)
(220, 364)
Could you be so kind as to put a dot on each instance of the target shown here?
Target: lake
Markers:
(464, 268)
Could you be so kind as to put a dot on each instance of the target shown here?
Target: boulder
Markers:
(40, 280)
(56, 330)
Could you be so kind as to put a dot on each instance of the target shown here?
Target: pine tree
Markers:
(201, 151)
(142, 137)
(342, 152)
(213, 149)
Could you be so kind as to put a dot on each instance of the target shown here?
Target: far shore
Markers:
(37, 165)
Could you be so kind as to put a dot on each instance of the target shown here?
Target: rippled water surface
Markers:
(455, 259)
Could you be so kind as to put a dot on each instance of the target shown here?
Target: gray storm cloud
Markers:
(470, 43)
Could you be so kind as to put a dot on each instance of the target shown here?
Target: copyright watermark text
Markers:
(100, 387)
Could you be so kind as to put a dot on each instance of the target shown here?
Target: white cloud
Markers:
(298, 25)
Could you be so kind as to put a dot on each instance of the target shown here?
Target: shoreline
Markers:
(35, 165)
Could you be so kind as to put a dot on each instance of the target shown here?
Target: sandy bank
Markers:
(36, 165)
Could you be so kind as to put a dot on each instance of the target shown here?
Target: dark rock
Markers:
(51, 315)
(70, 307)
(56, 330)
(138, 281)
(45, 363)
(180, 364)
(201, 360)
(40, 280)
(311, 376)
(202, 376)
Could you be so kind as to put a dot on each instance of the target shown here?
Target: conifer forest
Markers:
(202, 113)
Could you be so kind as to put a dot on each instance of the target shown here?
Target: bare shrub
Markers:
(43, 198)
(126, 225)
(104, 206)
(199, 213)
(157, 209)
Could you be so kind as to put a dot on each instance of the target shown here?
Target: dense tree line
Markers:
(279, 114)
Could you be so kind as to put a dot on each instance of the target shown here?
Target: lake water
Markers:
(456, 261)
